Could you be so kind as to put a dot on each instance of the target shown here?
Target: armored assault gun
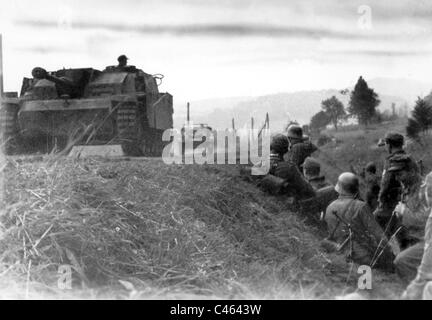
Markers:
(119, 108)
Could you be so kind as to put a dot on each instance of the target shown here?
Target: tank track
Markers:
(9, 128)
(153, 144)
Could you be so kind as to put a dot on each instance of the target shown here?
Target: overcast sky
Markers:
(218, 48)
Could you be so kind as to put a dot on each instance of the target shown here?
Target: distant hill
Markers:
(282, 108)
(404, 88)
(201, 108)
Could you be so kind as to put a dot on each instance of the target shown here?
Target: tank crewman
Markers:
(390, 188)
(413, 211)
(284, 177)
(352, 228)
(423, 279)
(372, 181)
(311, 171)
(299, 147)
(122, 62)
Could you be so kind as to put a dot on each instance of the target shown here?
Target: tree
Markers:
(363, 102)
(420, 121)
(319, 121)
(413, 129)
(334, 109)
(422, 114)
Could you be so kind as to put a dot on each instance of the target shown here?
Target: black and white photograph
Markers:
(215, 154)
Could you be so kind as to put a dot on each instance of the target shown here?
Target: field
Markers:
(140, 229)
(354, 147)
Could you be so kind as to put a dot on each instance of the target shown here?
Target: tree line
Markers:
(362, 105)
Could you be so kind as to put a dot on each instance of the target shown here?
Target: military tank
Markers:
(55, 111)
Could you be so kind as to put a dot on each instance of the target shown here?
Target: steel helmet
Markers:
(279, 143)
(295, 131)
(347, 182)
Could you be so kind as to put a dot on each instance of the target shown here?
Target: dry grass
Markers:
(141, 229)
(357, 146)
(165, 230)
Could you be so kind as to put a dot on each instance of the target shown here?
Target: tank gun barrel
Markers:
(41, 73)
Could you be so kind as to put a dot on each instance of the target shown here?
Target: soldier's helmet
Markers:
(393, 139)
(122, 58)
(347, 183)
(371, 167)
(311, 166)
(295, 131)
(279, 144)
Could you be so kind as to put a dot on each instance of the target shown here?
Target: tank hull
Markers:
(62, 124)
(60, 109)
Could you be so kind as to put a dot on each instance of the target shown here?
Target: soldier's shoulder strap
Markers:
(339, 218)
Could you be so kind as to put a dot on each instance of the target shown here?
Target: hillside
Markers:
(282, 107)
(300, 106)
(200, 109)
(143, 229)
(407, 89)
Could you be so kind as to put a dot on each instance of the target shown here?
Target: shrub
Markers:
(323, 139)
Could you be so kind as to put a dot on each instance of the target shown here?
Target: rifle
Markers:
(374, 261)
(383, 237)
(348, 239)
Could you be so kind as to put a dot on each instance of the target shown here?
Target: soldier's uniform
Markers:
(309, 202)
(284, 177)
(300, 148)
(390, 189)
(365, 240)
(278, 147)
(311, 171)
(424, 269)
(299, 151)
(372, 190)
(296, 185)
(319, 182)
(421, 256)
(415, 212)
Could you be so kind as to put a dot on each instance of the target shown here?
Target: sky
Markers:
(218, 48)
